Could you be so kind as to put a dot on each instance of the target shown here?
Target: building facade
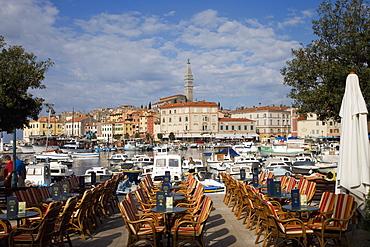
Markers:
(189, 120)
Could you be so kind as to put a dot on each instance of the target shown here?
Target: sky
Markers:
(118, 52)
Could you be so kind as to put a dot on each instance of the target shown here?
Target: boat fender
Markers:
(201, 176)
(331, 175)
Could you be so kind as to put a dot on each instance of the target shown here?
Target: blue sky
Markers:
(115, 52)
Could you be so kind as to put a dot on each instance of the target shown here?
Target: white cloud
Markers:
(132, 58)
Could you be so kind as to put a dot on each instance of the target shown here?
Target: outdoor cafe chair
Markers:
(63, 222)
(5, 228)
(139, 229)
(143, 200)
(190, 228)
(157, 218)
(79, 220)
(334, 229)
(284, 230)
(38, 234)
(326, 206)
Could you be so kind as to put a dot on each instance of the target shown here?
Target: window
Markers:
(317, 123)
(239, 127)
(195, 118)
(251, 127)
(160, 163)
(205, 118)
(257, 115)
(173, 162)
(174, 111)
(164, 112)
(169, 112)
(232, 127)
(221, 127)
(271, 122)
(169, 120)
(180, 119)
(264, 115)
(227, 127)
(245, 127)
(204, 109)
(278, 122)
(186, 119)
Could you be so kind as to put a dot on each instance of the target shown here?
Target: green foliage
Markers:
(160, 136)
(117, 136)
(318, 71)
(127, 136)
(171, 136)
(19, 72)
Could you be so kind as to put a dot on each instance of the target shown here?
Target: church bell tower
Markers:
(188, 83)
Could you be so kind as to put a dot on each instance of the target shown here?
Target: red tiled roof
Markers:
(263, 108)
(76, 119)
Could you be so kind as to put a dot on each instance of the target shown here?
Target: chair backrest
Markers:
(65, 217)
(204, 214)
(74, 182)
(22, 196)
(283, 182)
(44, 192)
(34, 196)
(343, 208)
(46, 227)
(291, 184)
(129, 216)
(310, 190)
(301, 185)
(261, 177)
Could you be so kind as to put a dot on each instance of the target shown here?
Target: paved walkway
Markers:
(222, 230)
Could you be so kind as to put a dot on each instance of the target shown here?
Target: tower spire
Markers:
(188, 83)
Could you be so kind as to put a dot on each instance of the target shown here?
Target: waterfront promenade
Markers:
(222, 230)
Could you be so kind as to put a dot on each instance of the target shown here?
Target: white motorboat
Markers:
(199, 166)
(85, 155)
(38, 174)
(118, 157)
(171, 163)
(142, 161)
(59, 170)
(102, 174)
(304, 167)
(42, 148)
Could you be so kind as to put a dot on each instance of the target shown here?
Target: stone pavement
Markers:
(222, 230)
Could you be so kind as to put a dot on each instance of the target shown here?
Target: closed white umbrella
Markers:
(354, 163)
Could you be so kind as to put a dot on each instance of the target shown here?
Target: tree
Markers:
(19, 72)
(317, 73)
(171, 136)
(127, 136)
(160, 136)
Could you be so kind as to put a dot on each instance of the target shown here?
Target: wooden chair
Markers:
(38, 234)
(63, 223)
(326, 206)
(5, 228)
(190, 228)
(291, 184)
(139, 229)
(334, 229)
(289, 229)
(80, 217)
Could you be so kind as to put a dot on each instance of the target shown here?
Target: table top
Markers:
(172, 210)
(302, 208)
(27, 214)
(62, 198)
(178, 198)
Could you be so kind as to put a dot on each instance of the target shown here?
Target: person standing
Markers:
(21, 172)
(8, 171)
(191, 165)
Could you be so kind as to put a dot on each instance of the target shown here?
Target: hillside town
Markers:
(179, 117)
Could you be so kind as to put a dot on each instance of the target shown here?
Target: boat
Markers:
(41, 148)
(142, 161)
(304, 167)
(199, 166)
(85, 155)
(131, 146)
(27, 149)
(77, 146)
(38, 175)
(267, 151)
(167, 163)
(102, 174)
(118, 157)
(59, 170)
